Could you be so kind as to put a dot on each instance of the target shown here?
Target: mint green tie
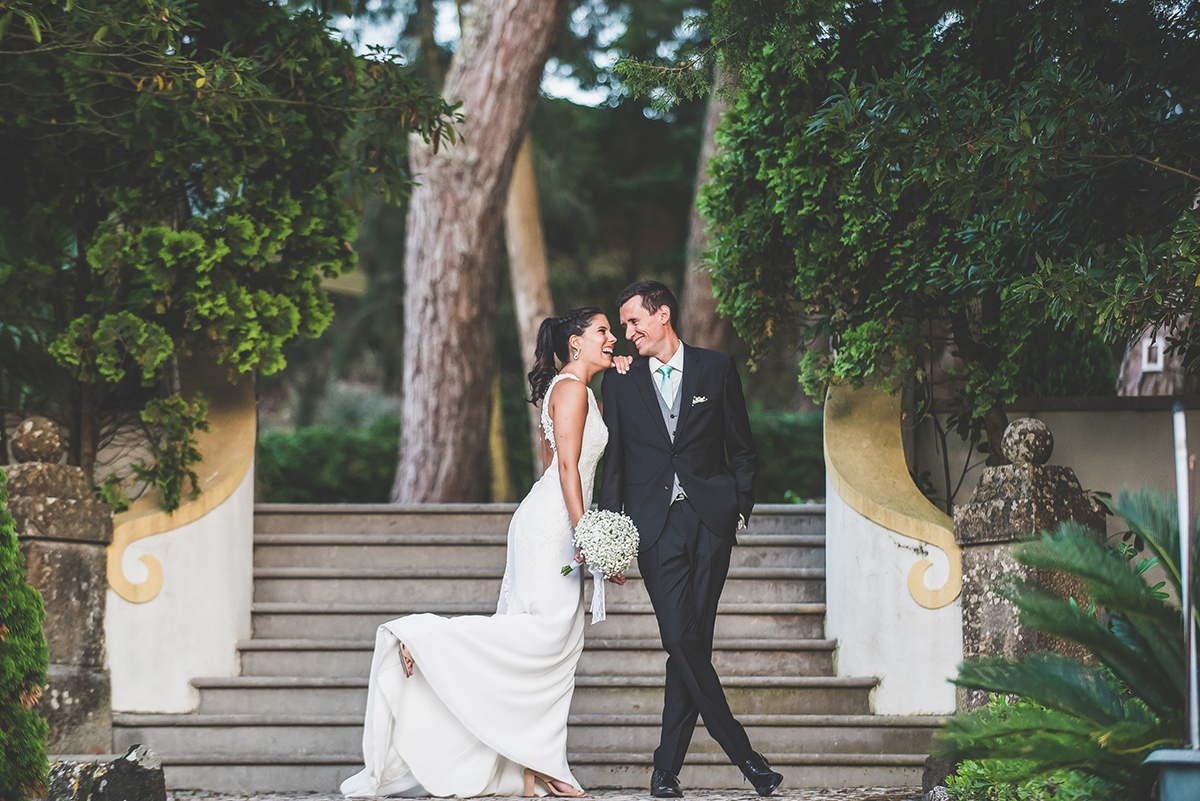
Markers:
(665, 386)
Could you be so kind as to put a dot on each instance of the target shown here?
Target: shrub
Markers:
(23, 662)
(1100, 719)
(322, 464)
(989, 779)
(791, 456)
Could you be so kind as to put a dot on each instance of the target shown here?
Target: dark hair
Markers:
(654, 296)
(554, 339)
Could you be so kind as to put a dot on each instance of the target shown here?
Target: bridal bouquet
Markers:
(609, 541)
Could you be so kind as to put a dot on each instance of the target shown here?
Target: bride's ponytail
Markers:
(553, 339)
(544, 367)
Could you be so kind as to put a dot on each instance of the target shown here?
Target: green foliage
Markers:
(328, 464)
(1101, 719)
(23, 662)
(909, 178)
(736, 33)
(991, 779)
(113, 493)
(791, 457)
(321, 464)
(175, 180)
(172, 424)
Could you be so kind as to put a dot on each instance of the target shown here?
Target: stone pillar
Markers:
(1011, 502)
(64, 533)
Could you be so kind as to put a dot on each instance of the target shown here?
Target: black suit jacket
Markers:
(713, 452)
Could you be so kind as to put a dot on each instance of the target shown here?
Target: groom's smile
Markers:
(648, 331)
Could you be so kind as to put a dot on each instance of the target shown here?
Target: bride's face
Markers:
(596, 343)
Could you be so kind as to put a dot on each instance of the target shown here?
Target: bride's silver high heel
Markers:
(532, 775)
(409, 662)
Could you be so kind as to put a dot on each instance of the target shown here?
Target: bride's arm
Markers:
(568, 410)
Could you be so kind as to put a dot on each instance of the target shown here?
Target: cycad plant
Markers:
(1104, 716)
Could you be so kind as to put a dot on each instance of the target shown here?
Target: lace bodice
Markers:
(595, 437)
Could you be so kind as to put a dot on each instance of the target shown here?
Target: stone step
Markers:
(483, 550)
(323, 773)
(469, 519)
(594, 695)
(481, 584)
(636, 657)
(861, 734)
(327, 621)
(432, 518)
(308, 734)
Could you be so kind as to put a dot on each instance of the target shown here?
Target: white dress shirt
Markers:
(676, 377)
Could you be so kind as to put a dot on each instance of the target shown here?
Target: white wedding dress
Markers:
(490, 694)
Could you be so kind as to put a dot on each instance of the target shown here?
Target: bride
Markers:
(477, 705)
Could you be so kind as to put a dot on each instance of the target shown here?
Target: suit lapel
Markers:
(691, 378)
(644, 383)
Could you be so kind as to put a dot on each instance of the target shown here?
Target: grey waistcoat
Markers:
(670, 417)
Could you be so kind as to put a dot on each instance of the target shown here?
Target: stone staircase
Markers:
(325, 577)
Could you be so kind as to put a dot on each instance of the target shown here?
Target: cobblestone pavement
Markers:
(851, 794)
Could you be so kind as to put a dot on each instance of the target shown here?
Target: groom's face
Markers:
(646, 330)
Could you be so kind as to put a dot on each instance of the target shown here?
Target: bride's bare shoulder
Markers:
(568, 394)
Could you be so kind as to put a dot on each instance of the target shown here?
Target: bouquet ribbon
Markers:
(597, 594)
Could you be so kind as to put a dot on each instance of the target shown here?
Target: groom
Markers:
(680, 461)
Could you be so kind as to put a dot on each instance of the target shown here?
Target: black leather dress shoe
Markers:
(664, 784)
(758, 770)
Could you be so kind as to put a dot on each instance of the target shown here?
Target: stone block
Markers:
(52, 518)
(51, 480)
(991, 623)
(1010, 503)
(38, 440)
(136, 776)
(1013, 501)
(77, 707)
(935, 773)
(70, 577)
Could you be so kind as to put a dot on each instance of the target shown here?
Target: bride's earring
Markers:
(575, 355)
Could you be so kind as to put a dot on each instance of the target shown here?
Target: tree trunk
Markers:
(451, 247)
(502, 487)
(430, 52)
(701, 325)
(530, 274)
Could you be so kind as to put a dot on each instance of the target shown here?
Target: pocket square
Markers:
(698, 399)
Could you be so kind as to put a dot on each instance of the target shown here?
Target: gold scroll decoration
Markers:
(864, 454)
(228, 451)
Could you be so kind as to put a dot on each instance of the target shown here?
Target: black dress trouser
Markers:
(684, 572)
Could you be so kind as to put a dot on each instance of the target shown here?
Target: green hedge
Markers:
(322, 464)
(791, 457)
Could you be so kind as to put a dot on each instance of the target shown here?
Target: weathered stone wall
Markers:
(64, 533)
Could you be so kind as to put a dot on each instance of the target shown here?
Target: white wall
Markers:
(879, 628)
(192, 627)
(1108, 450)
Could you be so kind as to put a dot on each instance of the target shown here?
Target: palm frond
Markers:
(1057, 682)
(1129, 657)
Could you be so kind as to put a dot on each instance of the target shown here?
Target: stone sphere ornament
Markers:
(1027, 441)
(38, 440)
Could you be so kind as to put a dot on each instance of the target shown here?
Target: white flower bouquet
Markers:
(609, 541)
